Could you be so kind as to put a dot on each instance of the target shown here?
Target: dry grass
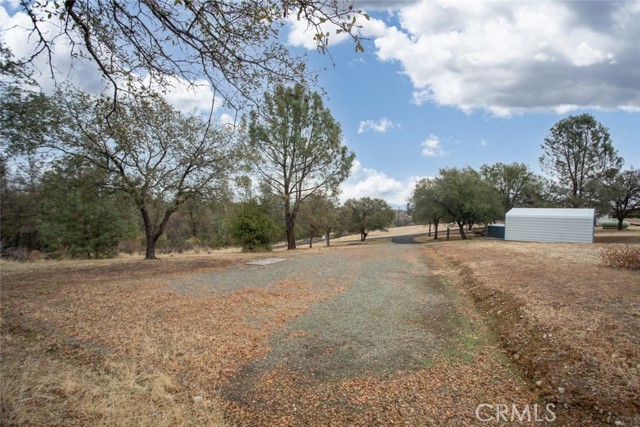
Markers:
(621, 257)
(46, 383)
(571, 323)
(109, 343)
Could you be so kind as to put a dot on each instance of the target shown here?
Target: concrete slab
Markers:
(266, 261)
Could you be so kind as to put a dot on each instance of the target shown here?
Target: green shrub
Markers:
(253, 228)
(621, 257)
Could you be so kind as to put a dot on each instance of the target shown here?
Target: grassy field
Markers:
(203, 339)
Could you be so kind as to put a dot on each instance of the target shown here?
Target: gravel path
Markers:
(391, 343)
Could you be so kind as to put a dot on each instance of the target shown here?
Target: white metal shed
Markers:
(550, 225)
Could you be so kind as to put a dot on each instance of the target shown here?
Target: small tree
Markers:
(253, 228)
(319, 215)
(156, 155)
(466, 198)
(366, 215)
(578, 152)
(297, 148)
(79, 216)
(424, 206)
(623, 193)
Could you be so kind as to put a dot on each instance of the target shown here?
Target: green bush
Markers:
(621, 257)
(253, 228)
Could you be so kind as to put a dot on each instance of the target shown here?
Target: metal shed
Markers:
(550, 225)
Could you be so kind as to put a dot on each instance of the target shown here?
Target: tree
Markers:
(366, 215)
(623, 193)
(578, 153)
(297, 149)
(79, 216)
(156, 155)
(516, 183)
(319, 214)
(20, 208)
(235, 45)
(424, 204)
(466, 198)
(253, 228)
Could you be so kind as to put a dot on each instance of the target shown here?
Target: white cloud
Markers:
(301, 34)
(432, 147)
(187, 97)
(515, 57)
(366, 182)
(483, 142)
(381, 126)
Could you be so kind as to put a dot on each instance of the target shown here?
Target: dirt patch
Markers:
(570, 323)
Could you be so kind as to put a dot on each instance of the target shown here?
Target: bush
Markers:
(253, 228)
(621, 257)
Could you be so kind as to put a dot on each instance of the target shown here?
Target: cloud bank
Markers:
(514, 57)
(366, 182)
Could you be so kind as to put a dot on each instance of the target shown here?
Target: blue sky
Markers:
(500, 112)
(450, 83)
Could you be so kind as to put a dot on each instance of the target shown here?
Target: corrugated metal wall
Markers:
(550, 225)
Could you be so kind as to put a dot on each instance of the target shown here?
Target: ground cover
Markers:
(570, 322)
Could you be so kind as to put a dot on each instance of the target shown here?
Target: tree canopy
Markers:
(424, 206)
(517, 185)
(156, 155)
(622, 191)
(578, 153)
(233, 45)
(366, 214)
(297, 149)
(466, 198)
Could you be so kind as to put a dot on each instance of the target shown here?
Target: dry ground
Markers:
(358, 335)
(129, 342)
(571, 323)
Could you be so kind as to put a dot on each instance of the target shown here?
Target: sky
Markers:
(450, 83)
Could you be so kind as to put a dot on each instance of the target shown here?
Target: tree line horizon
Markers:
(91, 175)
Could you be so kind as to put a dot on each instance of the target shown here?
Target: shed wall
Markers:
(554, 228)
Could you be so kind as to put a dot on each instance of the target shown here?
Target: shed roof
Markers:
(552, 212)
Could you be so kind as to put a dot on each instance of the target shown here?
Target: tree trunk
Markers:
(151, 246)
(153, 232)
(291, 236)
(310, 242)
(462, 234)
(620, 223)
(363, 236)
(149, 233)
(328, 233)
(435, 237)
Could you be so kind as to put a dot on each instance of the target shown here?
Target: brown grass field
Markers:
(570, 322)
(105, 343)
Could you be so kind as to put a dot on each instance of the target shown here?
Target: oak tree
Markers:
(366, 214)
